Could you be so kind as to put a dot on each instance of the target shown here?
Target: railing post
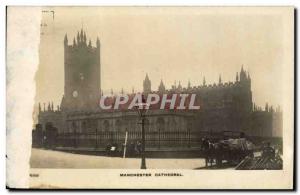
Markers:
(96, 138)
(189, 136)
(159, 138)
(99, 136)
(75, 139)
(143, 163)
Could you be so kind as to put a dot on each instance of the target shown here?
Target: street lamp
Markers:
(142, 109)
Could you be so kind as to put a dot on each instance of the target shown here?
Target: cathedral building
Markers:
(224, 107)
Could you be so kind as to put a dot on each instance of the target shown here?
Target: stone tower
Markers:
(82, 74)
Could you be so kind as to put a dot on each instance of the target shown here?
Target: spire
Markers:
(243, 75)
(84, 37)
(189, 85)
(220, 79)
(81, 35)
(122, 91)
(147, 78)
(147, 84)
(132, 90)
(44, 107)
(52, 108)
(98, 43)
(90, 43)
(267, 107)
(111, 92)
(161, 87)
(179, 86)
(204, 82)
(74, 42)
(40, 107)
(78, 38)
(237, 77)
(57, 107)
(66, 40)
(49, 108)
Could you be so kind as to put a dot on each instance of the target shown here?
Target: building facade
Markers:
(223, 107)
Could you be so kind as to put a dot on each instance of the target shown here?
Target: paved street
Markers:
(41, 158)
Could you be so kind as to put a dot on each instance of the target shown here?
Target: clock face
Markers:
(75, 94)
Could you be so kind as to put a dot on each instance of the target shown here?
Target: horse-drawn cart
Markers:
(228, 150)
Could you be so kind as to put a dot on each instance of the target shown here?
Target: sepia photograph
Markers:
(166, 95)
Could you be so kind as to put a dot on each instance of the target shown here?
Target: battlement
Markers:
(242, 80)
(198, 88)
(50, 108)
(80, 41)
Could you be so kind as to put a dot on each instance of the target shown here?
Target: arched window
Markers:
(74, 127)
(91, 125)
(106, 125)
(161, 124)
(132, 126)
(83, 126)
(173, 124)
(118, 125)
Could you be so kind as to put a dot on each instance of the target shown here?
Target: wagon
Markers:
(232, 151)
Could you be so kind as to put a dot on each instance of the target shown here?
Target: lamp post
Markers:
(142, 109)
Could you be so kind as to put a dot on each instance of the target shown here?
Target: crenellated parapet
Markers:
(50, 108)
(80, 43)
(220, 92)
(243, 82)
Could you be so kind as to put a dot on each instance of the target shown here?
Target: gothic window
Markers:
(74, 127)
(161, 124)
(69, 127)
(106, 125)
(173, 124)
(99, 125)
(132, 125)
(48, 126)
(118, 125)
(88, 125)
(83, 126)
(91, 125)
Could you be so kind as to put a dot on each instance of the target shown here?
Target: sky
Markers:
(173, 44)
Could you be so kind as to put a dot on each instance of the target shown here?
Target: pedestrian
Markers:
(218, 147)
(205, 150)
(131, 149)
(138, 148)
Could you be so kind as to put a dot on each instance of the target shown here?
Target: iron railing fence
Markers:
(154, 139)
